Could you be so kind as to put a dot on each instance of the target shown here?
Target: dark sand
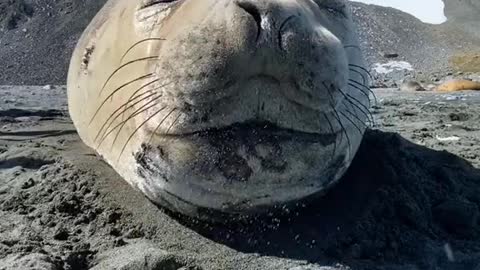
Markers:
(402, 205)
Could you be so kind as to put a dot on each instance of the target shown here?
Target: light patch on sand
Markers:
(392, 66)
(428, 11)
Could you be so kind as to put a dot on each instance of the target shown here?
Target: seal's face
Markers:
(230, 104)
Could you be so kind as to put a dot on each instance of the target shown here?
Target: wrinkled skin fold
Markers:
(233, 106)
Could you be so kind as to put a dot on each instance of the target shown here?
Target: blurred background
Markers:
(421, 40)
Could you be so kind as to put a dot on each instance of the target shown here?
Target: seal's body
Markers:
(458, 85)
(230, 106)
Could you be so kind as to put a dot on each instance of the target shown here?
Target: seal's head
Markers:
(234, 106)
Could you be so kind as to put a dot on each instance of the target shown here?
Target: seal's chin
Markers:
(240, 167)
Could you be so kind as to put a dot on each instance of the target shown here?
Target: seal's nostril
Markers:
(253, 10)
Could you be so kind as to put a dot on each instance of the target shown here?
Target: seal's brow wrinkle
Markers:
(233, 107)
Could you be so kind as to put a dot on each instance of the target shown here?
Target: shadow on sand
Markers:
(399, 202)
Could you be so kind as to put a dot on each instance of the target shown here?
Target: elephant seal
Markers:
(458, 85)
(411, 86)
(222, 107)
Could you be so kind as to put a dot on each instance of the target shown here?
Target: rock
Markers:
(61, 234)
(34, 261)
(456, 216)
(134, 233)
(390, 55)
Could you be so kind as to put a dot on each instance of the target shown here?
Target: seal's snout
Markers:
(300, 50)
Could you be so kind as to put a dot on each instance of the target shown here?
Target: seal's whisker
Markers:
(362, 68)
(150, 90)
(359, 104)
(354, 107)
(173, 123)
(136, 130)
(362, 89)
(115, 91)
(339, 120)
(369, 91)
(364, 109)
(337, 116)
(333, 132)
(356, 117)
(125, 105)
(138, 43)
(364, 79)
(134, 114)
(353, 122)
(123, 66)
(105, 128)
(145, 107)
(160, 124)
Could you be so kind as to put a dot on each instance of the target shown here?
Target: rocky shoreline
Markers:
(37, 38)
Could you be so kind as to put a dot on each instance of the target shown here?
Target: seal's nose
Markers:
(273, 20)
(253, 8)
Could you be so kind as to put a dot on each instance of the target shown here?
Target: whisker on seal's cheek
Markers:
(140, 126)
(173, 123)
(358, 104)
(353, 122)
(332, 131)
(367, 91)
(124, 122)
(154, 90)
(363, 69)
(364, 78)
(337, 116)
(123, 86)
(360, 87)
(127, 106)
(129, 63)
(119, 112)
(137, 44)
(159, 125)
(354, 115)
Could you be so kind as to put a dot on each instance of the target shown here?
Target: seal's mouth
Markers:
(258, 131)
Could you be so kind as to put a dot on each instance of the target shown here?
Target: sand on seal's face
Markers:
(226, 105)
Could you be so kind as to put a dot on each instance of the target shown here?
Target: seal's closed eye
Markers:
(149, 3)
